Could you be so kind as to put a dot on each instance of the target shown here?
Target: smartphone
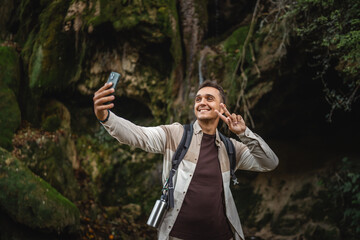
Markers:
(114, 78)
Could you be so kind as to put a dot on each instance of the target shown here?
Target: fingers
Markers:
(230, 119)
(106, 86)
(103, 88)
(100, 101)
(221, 116)
(234, 118)
(239, 118)
(227, 113)
(105, 107)
(102, 96)
(103, 91)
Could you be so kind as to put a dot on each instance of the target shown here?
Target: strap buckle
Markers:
(235, 181)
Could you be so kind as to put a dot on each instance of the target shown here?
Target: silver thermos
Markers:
(158, 213)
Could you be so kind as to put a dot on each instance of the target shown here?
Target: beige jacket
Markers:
(252, 153)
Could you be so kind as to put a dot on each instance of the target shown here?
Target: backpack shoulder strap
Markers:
(177, 158)
(183, 146)
(230, 149)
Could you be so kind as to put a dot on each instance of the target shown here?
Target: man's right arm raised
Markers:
(150, 139)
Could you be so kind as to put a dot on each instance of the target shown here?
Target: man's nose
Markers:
(203, 101)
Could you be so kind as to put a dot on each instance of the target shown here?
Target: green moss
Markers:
(10, 116)
(31, 201)
(155, 86)
(50, 156)
(36, 67)
(9, 68)
(128, 15)
(52, 58)
(55, 116)
(233, 48)
(236, 40)
(51, 123)
(26, 51)
(112, 166)
(215, 64)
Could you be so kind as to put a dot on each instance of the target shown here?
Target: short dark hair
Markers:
(214, 84)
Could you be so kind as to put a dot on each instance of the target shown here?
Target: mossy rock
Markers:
(235, 41)
(12, 230)
(286, 225)
(322, 232)
(110, 165)
(52, 55)
(50, 155)
(304, 192)
(150, 18)
(55, 116)
(246, 196)
(7, 7)
(290, 219)
(30, 200)
(10, 116)
(9, 68)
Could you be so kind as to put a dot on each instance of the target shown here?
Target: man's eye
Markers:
(210, 98)
(197, 99)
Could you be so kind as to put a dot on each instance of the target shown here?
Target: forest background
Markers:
(291, 68)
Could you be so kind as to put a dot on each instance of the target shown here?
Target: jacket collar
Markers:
(197, 130)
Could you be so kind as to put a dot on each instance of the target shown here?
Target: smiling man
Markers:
(203, 204)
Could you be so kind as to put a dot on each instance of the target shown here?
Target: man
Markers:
(203, 207)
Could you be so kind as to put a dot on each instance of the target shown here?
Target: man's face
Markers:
(207, 100)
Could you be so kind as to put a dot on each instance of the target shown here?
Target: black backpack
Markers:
(181, 151)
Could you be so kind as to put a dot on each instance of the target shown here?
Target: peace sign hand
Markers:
(235, 122)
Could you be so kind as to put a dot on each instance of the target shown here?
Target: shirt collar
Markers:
(197, 130)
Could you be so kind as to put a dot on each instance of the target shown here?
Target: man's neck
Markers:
(208, 126)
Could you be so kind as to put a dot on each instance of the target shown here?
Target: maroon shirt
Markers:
(202, 215)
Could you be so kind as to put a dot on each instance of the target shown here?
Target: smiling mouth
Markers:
(204, 110)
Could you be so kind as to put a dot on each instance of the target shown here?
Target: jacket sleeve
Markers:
(253, 154)
(150, 139)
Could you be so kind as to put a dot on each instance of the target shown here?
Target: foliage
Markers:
(345, 192)
(330, 28)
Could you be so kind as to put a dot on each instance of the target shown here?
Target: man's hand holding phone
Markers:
(104, 96)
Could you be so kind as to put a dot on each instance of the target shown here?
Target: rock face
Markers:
(10, 115)
(30, 200)
(286, 66)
